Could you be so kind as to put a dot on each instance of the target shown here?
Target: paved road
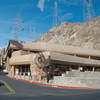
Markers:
(28, 91)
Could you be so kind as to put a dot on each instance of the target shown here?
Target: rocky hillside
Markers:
(85, 35)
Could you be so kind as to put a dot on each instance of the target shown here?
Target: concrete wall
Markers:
(79, 79)
(20, 52)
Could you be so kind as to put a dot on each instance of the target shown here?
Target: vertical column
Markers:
(8, 67)
(89, 57)
(29, 73)
(34, 72)
(17, 71)
(12, 70)
(93, 69)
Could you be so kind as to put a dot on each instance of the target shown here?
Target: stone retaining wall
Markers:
(80, 79)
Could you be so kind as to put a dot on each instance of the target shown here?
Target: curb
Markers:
(51, 85)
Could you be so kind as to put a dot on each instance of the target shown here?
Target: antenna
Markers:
(88, 7)
(55, 22)
(17, 28)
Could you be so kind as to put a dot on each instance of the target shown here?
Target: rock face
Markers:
(85, 35)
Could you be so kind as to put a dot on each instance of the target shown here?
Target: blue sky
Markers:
(37, 16)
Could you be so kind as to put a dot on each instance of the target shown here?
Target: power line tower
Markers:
(32, 31)
(55, 20)
(17, 27)
(89, 12)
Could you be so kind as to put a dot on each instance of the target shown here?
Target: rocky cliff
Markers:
(85, 35)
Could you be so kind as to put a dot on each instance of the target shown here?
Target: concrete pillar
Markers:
(12, 70)
(93, 69)
(34, 72)
(29, 74)
(80, 68)
(89, 57)
(17, 71)
(8, 67)
(31, 71)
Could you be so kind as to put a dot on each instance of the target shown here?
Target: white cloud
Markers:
(41, 5)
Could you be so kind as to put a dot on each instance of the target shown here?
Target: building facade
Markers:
(33, 60)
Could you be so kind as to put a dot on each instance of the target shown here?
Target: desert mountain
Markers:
(85, 35)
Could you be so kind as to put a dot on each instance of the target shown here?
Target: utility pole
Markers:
(89, 12)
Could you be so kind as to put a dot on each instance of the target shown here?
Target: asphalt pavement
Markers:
(18, 90)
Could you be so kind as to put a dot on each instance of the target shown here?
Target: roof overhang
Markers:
(42, 46)
(56, 58)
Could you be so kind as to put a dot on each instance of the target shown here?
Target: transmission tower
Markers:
(31, 31)
(89, 12)
(17, 27)
(55, 20)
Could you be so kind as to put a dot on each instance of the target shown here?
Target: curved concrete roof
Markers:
(42, 46)
(58, 58)
(73, 60)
